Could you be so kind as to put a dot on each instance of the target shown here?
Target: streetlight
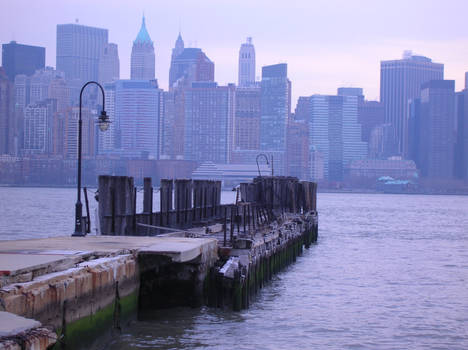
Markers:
(103, 126)
(258, 166)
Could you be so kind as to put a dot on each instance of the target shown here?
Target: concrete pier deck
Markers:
(30, 258)
(69, 280)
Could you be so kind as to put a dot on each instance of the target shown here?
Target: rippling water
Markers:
(388, 272)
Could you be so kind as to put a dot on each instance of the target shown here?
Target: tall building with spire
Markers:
(191, 65)
(142, 60)
(247, 64)
(176, 51)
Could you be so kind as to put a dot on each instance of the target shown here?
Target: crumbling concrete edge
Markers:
(40, 338)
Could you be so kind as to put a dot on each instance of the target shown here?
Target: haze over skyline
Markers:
(326, 44)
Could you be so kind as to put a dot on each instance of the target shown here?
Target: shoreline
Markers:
(319, 190)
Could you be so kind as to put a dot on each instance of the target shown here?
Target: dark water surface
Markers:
(388, 272)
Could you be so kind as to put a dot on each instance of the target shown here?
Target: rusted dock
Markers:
(193, 251)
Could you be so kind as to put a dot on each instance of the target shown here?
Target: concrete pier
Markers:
(79, 288)
(83, 286)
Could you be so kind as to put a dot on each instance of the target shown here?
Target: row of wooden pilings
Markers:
(281, 192)
(183, 203)
(248, 280)
(187, 203)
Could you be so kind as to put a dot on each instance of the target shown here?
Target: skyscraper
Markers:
(135, 109)
(38, 127)
(22, 59)
(275, 103)
(79, 49)
(461, 149)
(7, 122)
(209, 119)
(58, 90)
(109, 64)
(176, 51)
(334, 132)
(40, 83)
(400, 81)
(190, 65)
(297, 149)
(70, 142)
(246, 64)
(247, 118)
(142, 59)
(437, 123)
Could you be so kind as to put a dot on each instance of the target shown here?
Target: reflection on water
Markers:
(388, 272)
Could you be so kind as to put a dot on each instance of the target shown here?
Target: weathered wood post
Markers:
(105, 204)
(231, 229)
(314, 196)
(197, 184)
(148, 201)
(165, 201)
(116, 205)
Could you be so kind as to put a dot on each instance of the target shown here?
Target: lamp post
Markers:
(103, 126)
(258, 166)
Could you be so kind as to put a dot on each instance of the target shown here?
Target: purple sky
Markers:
(326, 43)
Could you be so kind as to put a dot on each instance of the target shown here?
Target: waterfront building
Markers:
(400, 81)
(142, 58)
(134, 107)
(437, 125)
(209, 122)
(247, 117)
(246, 64)
(109, 64)
(7, 120)
(373, 169)
(22, 59)
(275, 107)
(334, 132)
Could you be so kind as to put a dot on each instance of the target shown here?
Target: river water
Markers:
(388, 272)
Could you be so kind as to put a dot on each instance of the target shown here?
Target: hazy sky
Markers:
(326, 43)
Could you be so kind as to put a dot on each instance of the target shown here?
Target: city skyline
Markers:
(337, 45)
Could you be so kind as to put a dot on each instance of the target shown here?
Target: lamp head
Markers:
(103, 121)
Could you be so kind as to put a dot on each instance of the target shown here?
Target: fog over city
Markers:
(326, 43)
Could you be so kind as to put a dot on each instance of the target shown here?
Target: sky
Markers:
(326, 43)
